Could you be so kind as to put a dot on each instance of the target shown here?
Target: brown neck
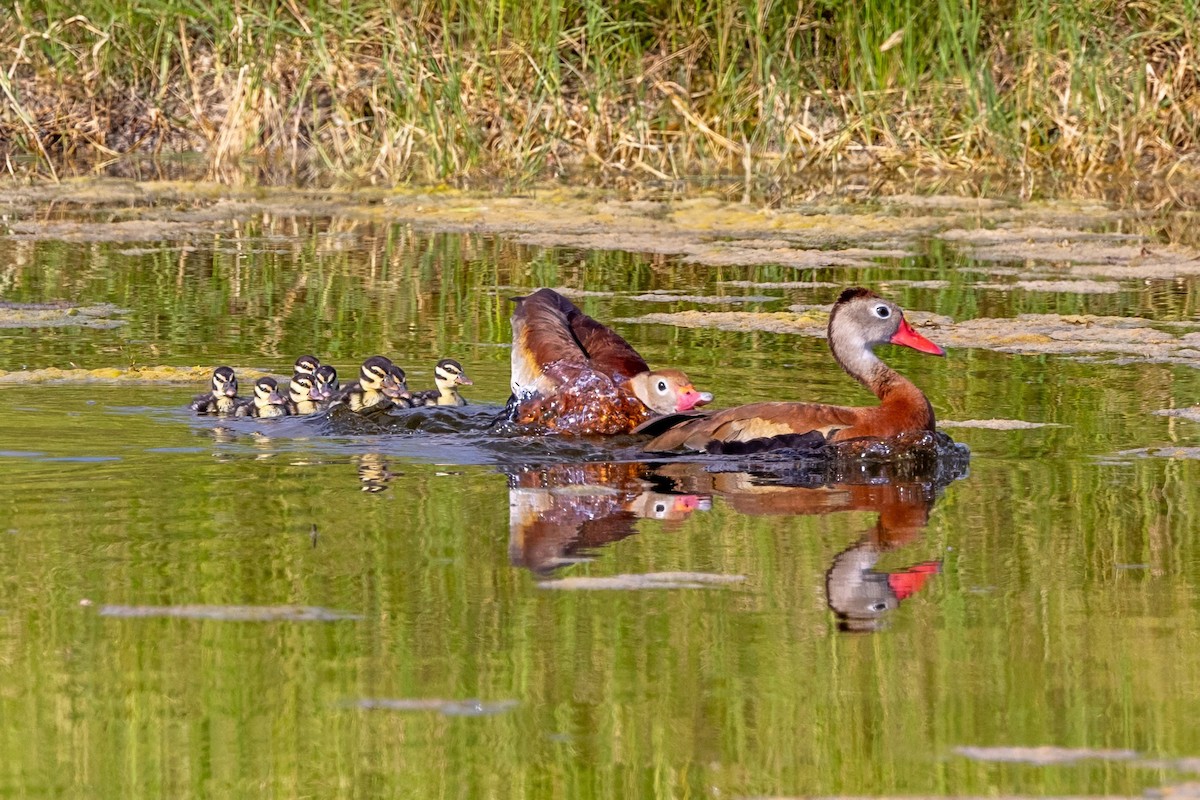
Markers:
(899, 398)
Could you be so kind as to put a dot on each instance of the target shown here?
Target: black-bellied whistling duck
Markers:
(448, 375)
(326, 386)
(397, 390)
(306, 365)
(222, 397)
(302, 394)
(266, 402)
(860, 320)
(375, 384)
(571, 374)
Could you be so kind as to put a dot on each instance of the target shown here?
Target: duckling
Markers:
(306, 365)
(398, 393)
(267, 401)
(222, 397)
(375, 381)
(302, 398)
(447, 375)
(326, 386)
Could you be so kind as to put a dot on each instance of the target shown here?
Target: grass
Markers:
(471, 90)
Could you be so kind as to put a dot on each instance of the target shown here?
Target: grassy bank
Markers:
(474, 89)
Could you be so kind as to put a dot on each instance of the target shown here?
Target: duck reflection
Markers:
(561, 514)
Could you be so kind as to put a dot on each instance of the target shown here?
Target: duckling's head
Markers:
(397, 386)
(266, 393)
(449, 372)
(326, 383)
(667, 391)
(374, 372)
(224, 382)
(301, 388)
(307, 365)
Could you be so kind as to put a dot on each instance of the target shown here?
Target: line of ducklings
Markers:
(314, 387)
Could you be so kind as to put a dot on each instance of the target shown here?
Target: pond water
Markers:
(192, 608)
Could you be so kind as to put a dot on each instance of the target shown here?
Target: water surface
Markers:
(195, 609)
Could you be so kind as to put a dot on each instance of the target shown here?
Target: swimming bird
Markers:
(222, 396)
(266, 402)
(326, 386)
(398, 392)
(306, 365)
(302, 394)
(375, 381)
(860, 321)
(571, 374)
(448, 375)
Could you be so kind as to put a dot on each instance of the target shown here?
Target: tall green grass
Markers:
(471, 89)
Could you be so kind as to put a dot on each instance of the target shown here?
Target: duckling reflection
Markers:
(373, 472)
(560, 513)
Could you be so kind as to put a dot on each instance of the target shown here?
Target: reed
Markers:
(476, 90)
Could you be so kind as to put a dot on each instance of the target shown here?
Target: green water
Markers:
(1065, 612)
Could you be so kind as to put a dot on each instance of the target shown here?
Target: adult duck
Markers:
(860, 320)
(571, 374)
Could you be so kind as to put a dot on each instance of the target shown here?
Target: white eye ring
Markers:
(660, 508)
(662, 386)
(883, 312)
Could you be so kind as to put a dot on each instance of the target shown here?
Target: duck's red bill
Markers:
(910, 338)
(909, 581)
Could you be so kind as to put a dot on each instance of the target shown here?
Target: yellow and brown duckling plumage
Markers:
(398, 392)
(376, 385)
(267, 401)
(222, 396)
(326, 386)
(448, 375)
(307, 364)
(302, 394)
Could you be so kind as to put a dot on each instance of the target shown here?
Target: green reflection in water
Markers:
(1064, 613)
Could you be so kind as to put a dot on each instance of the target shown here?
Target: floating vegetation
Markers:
(649, 580)
(448, 708)
(996, 424)
(231, 613)
(116, 375)
(1044, 755)
(1137, 339)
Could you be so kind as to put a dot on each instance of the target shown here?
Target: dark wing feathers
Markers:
(548, 327)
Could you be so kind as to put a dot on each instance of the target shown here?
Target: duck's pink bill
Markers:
(691, 398)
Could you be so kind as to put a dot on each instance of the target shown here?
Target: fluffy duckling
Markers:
(302, 394)
(306, 365)
(326, 386)
(375, 385)
(267, 401)
(448, 375)
(222, 396)
(399, 393)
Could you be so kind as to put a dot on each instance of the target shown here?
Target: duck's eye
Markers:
(878, 607)
(662, 386)
(883, 312)
(660, 508)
